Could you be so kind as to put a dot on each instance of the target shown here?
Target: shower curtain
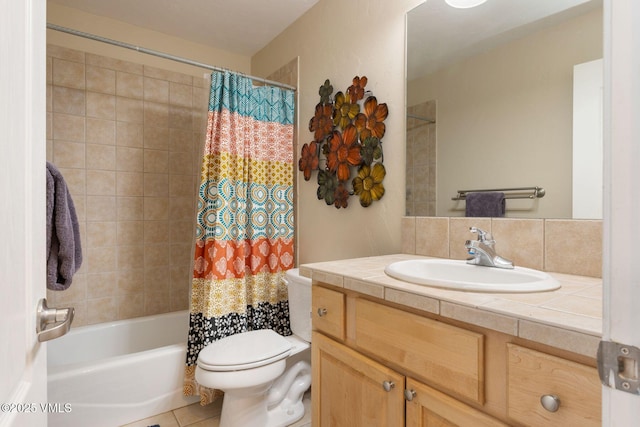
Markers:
(244, 237)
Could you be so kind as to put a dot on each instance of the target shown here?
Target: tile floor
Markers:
(206, 416)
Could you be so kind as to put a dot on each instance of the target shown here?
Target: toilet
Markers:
(263, 374)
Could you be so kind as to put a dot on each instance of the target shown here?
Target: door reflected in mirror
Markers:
(490, 104)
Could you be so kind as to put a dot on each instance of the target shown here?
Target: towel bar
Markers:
(510, 193)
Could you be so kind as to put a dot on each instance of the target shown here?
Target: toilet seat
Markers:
(245, 350)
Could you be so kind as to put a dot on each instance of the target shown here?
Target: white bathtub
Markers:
(115, 373)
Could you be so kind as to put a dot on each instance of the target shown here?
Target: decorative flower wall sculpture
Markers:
(347, 145)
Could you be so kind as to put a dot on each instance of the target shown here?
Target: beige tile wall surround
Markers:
(434, 237)
(459, 233)
(421, 165)
(521, 240)
(561, 246)
(574, 247)
(408, 232)
(127, 139)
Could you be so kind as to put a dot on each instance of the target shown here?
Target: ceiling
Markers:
(238, 26)
(438, 34)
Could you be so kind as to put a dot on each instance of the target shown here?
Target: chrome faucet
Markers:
(483, 251)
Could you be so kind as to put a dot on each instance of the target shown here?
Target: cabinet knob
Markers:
(409, 394)
(388, 385)
(322, 312)
(550, 402)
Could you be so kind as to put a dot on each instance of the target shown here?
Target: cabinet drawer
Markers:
(328, 311)
(532, 374)
(429, 407)
(444, 356)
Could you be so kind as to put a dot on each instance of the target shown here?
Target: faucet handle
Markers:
(483, 236)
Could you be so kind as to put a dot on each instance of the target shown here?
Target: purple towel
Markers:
(64, 253)
(487, 204)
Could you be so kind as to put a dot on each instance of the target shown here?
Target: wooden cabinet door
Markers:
(533, 374)
(349, 388)
(431, 408)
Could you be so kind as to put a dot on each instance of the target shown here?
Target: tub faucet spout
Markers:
(483, 251)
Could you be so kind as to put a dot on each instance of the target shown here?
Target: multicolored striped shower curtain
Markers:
(244, 237)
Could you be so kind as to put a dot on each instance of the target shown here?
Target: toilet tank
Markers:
(299, 289)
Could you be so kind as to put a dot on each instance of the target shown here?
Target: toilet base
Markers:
(278, 406)
(279, 417)
(242, 411)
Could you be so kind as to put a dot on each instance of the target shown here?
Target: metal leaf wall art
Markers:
(346, 149)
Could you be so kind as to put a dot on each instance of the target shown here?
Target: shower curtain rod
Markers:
(424, 119)
(159, 54)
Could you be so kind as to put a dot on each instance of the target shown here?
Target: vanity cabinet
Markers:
(427, 407)
(377, 364)
(448, 357)
(534, 377)
(328, 311)
(353, 390)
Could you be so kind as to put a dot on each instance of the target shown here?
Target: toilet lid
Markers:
(244, 351)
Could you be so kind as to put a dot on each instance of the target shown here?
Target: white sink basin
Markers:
(458, 275)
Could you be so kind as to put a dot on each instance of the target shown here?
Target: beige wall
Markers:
(120, 31)
(338, 40)
(476, 118)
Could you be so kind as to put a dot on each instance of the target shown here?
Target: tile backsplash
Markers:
(553, 245)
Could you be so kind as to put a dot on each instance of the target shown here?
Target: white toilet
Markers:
(263, 375)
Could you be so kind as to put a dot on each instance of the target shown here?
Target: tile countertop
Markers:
(569, 318)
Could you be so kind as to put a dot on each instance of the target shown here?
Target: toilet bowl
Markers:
(263, 375)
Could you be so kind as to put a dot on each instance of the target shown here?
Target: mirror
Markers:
(490, 103)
